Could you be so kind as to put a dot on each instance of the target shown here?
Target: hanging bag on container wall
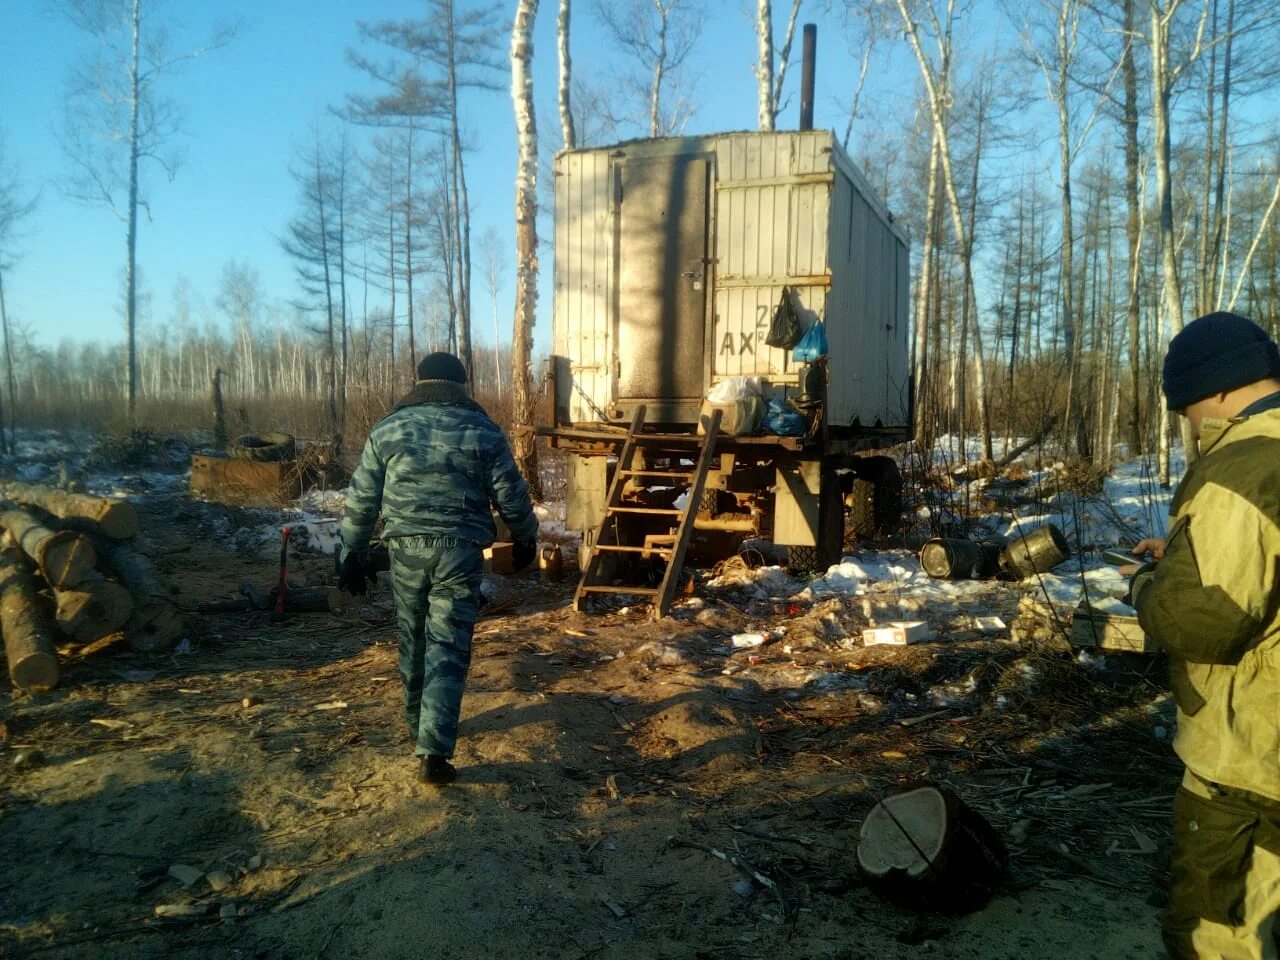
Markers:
(812, 345)
(784, 331)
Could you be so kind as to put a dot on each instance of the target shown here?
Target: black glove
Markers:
(523, 553)
(353, 577)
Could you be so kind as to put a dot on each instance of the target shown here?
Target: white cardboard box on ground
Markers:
(898, 632)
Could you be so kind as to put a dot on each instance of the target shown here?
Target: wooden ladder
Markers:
(610, 537)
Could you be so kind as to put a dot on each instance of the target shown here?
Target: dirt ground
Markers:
(603, 757)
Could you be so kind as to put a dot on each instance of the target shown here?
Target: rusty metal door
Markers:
(662, 264)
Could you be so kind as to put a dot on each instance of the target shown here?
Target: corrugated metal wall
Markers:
(867, 310)
(788, 209)
(581, 329)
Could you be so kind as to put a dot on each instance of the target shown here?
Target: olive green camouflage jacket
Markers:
(432, 467)
(1213, 602)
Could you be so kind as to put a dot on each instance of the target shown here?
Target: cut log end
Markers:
(93, 610)
(925, 849)
(36, 673)
(155, 627)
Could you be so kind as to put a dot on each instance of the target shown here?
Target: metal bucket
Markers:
(1037, 551)
(951, 559)
(550, 564)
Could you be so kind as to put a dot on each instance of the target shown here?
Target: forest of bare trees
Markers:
(1077, 185)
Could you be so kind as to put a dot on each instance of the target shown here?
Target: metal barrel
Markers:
(951, 559)
(1035, 551)
(551, 563)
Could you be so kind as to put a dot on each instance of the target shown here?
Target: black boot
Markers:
(437, 771)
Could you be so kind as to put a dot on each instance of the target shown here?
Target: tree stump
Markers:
(926, 850)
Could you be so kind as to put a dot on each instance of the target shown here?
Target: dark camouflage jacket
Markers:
(432, 467)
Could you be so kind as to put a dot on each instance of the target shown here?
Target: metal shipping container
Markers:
(671, 256)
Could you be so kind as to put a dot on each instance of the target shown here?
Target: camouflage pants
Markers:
(436, 582)
(1225, 895)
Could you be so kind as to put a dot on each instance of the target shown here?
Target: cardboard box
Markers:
(1109, 631)
(898, 632)
(498, 558)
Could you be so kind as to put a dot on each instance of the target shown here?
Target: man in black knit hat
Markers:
(1213, 602)
(432, 467)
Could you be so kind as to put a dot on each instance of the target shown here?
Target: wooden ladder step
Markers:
(619, 548)
(652, 511)
(664, 474)
(619, 588)
(677, 439)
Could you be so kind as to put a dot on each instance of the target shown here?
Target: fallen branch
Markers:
(746, 868)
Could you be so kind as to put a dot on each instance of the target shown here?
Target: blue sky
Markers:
(248, 106)
(246, 109)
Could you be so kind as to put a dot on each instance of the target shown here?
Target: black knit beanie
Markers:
(1215, 353)
(442, 366)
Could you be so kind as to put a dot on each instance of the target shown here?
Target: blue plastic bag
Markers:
(783, 421)
(812, 345)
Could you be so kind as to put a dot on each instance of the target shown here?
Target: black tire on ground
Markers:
(266, 448)
(861, 501)
(875, 498)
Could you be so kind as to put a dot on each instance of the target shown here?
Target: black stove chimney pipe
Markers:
(806, 76)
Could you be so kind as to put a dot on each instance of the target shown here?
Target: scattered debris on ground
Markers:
(694, 786)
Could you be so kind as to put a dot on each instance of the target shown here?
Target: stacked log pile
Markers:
(68, 567)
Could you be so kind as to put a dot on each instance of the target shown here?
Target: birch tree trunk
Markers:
(764, 65)
(1162, 77)
(462, 211)
(923, 395)
(567, 132)
(784, 60)
(659, 68)
(1133, 225)
(526, 453)
(131, 234)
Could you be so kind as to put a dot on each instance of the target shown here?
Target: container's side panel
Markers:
(865, 326)
(841, 314)
(583, 277)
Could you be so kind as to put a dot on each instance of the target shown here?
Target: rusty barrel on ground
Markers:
(946, 558)
(957, 558)
(1035, 551)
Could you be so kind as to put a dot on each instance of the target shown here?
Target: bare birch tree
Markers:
(658, 35)
(115, 119)
(565, 84)
(15, 206)
(522, 396)
(768, 79)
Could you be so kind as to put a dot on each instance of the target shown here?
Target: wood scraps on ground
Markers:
(743, 865)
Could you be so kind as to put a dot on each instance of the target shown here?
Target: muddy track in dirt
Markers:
(600, 756)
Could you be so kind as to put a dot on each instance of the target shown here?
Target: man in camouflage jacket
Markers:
(432, 467)
(1212, 600)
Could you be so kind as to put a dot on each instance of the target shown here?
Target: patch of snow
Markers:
(951, 694)
(1101, 583)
